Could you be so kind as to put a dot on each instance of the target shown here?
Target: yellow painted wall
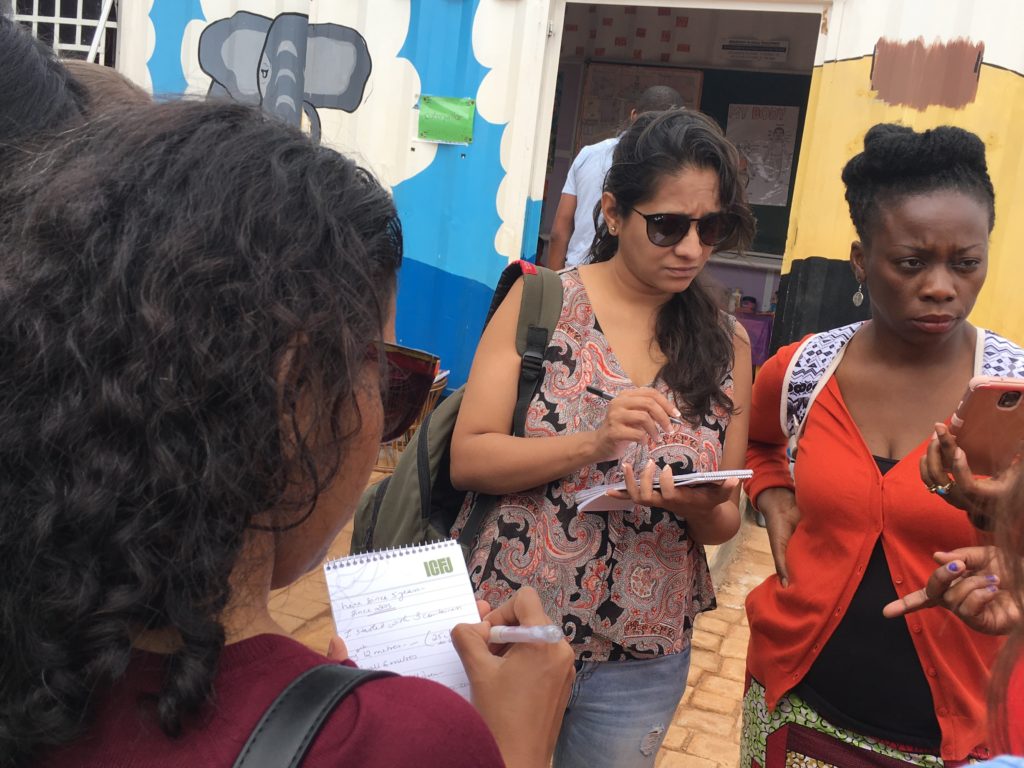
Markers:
(842, 107)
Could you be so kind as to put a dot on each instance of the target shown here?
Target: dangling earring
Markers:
(858, 297)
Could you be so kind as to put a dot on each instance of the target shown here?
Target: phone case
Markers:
(989, 423)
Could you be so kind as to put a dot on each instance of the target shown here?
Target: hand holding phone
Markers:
(989, 423)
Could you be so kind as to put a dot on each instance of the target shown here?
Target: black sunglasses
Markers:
(665, 229)
(405, 386)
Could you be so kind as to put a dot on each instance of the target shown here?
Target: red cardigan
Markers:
(388, 722)
(845, 505)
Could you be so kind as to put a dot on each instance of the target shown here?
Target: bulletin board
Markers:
(610, 92)
(727, 88)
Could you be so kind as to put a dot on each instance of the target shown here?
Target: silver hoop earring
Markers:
(858, 297)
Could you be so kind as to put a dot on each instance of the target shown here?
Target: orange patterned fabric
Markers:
(845, 506)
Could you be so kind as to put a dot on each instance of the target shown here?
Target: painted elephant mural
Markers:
(285, 64)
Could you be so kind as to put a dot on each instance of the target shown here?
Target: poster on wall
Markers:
(610, 92)
(766, 137)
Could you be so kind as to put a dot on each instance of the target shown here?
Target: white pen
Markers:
(549, 633)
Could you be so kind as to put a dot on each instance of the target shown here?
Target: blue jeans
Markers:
(619, 711)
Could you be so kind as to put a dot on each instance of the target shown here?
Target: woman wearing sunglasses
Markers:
(638, 327)
(192, 303)
(833, 681)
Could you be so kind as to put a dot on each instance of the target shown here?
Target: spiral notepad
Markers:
(595, 499)
(396, 608)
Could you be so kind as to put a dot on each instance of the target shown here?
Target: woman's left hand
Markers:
(967, 584)
(944, 469)
(685, 501)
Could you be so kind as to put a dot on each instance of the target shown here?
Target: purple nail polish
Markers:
(992, 588)
(992, 578)
(953, 567)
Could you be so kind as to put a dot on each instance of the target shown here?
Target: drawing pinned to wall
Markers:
(610, 92)
(766, 136)
(286, 64)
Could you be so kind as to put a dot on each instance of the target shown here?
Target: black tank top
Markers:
(868, 678)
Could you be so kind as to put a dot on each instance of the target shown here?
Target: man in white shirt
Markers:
(572, 231)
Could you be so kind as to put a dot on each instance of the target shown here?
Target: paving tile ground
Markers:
(705, 731)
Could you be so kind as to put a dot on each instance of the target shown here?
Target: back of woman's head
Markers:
(36, 94)
(689, 329)
(104, 88)
(187, 295)
(898, 162)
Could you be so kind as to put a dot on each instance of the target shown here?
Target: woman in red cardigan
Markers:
(832, 681)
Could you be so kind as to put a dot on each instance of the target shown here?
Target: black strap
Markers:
(529, 374)
(287, 729)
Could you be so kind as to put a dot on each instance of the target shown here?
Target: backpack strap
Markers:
(284, 734)
(809, 370)
(539, 310)
(999, 357)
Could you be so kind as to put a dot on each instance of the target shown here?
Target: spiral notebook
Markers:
(395, 609)
(595, 499)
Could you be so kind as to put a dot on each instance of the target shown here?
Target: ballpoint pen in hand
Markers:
(605, 396)
(547, 633)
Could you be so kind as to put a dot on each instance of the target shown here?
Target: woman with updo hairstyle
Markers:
(643, 377)
(832, 681)
(196, 310)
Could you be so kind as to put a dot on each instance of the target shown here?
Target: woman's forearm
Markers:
(498, 464)
(717, 526)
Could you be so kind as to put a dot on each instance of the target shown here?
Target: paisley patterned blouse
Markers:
(623, 584)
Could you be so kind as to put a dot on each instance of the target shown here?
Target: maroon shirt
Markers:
(388, 722)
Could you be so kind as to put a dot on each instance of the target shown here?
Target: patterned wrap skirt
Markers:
(796, 736)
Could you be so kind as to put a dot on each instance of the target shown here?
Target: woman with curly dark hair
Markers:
(36, 92)
(833, 681)
(194, 303)
(640, 328)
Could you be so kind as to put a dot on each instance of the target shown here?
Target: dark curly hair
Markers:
(37, 92)
(898, 162)
(697, 346)
(159, 264)
(1008, 535)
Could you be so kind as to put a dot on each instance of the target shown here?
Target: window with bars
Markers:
(68, 26)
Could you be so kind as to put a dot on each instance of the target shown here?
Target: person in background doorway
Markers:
(578, 213)
(748, 305)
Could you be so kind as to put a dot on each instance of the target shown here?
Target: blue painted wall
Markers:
(449, 210)
(170, 17)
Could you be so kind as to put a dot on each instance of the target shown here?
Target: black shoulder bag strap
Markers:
(287, 729)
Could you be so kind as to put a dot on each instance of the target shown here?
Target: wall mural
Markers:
(285, 64)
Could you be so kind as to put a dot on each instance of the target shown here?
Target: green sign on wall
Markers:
(446, 119)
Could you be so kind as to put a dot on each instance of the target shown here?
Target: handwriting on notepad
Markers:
(396, 610)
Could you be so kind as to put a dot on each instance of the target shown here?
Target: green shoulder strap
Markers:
(539, 311)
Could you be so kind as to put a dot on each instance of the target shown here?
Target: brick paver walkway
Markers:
(705, 733)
